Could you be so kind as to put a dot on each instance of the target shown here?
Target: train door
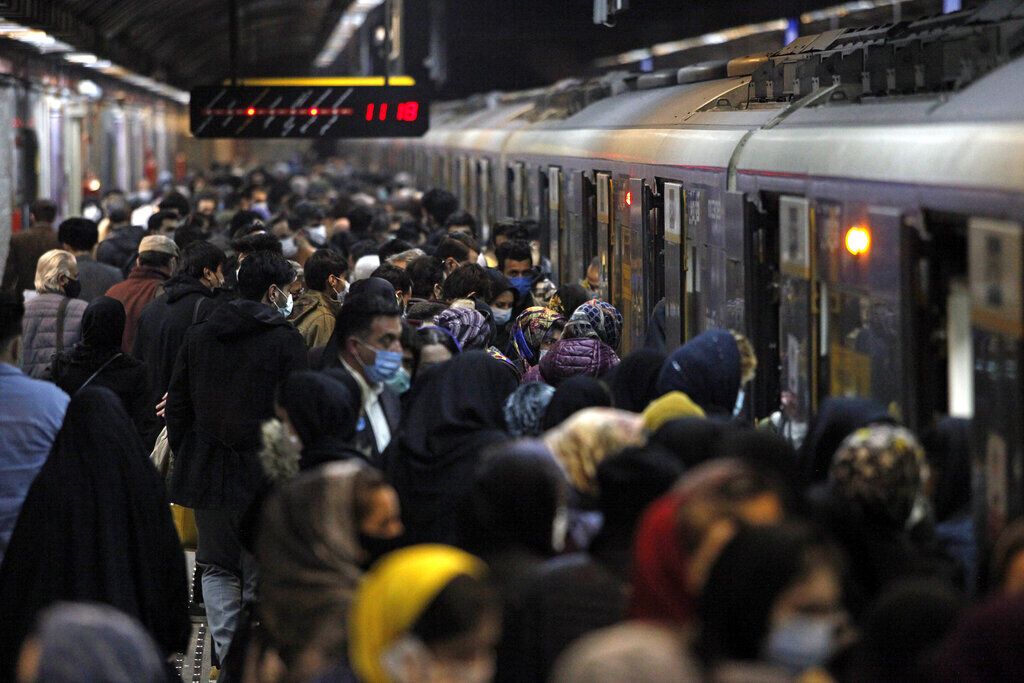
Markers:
(484, 201)
(635, 238)
(602, 233)
(579, 205)
(796, 329)
(555, 231)
(670, 218)
(516, 189)
(762, 295)
(462, 175)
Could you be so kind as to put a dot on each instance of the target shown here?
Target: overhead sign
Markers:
(308, 109)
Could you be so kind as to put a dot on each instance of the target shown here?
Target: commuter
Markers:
(97, 360)
(542, 290)
(402, 258)
(572, 396)
(326, 286)
(287, 232)
(399, 279)
(656, 338)
(310, 217)
(572, 595)
(468, 281)
(90, 642)
(771, 605)
(427, 274)
(711, 369)
(156, 262)
(592, 281)
(367, 345)
(454, 253)
(533, 333)
(163, 222)
(437, 205)
(525, 408)
(693, 441)
(364, 267)
(318, 533)
(31, 413)
(422, 314)
(633, 381)
(95, 526)
(604, 318)
(53, 318)
(515, 261)
(27, 246)
(222, 388)
(514, 518)
(322, 411)
(454, 411)
(568, 298)
(571, 358)
(121, 241)
(768, 452)
(984, 646)
(189, 297)
(435, 345)
(837, 418)
(423, 613)
(467, 325)
(79, 236)
(675, 405)
(632, 652)
(947, 447)
(503, 305)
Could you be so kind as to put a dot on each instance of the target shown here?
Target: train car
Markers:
(853, 203)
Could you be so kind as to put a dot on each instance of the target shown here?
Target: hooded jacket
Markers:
(162, 326)
(222, 389)
(580, 356)
(143, 285)
(315, 318)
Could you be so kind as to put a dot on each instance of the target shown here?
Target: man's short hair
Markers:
(258, 242)
(198, 256)
(468, 240)
(452, 248)
(322, 264)
(512, 229)
(156, 221)
(398, 278)
(406, 257)
(260, 270)
(43, 210)
(355, 319)
(425, 272)
(439, 204)
(175, 202)
(245, 222)
(465, 280)
(155, 259)
(460, 218)
(359, 219)
(424, 311)
(514, 250)
(393, 247)
(81, 234)
(308, 213)
(363, 248)
(12, 310)
(118, 214)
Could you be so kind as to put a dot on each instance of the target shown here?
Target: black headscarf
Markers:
(455, 410)
(838, 418)
(102, 329)
(707, 369)
(948, 448)
(693, 440)
(572, 396)
(634, 381)
(95, 527)
(324, 410)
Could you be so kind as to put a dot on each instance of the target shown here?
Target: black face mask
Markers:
(376, 548)
(73, 288)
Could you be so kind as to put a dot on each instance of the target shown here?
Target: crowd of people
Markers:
(412, 456)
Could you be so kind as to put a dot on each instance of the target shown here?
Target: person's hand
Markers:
(161, 407)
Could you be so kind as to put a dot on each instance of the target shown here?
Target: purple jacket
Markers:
(581, 356)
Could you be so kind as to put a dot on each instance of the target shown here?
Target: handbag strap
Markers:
(99, 370)
(195, 309)
(62, 313)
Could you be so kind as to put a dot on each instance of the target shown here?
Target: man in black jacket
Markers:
(221, 390)
(189, 297)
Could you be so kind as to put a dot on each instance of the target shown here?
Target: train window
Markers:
(463, 179)
(603, 232)
(484, 203)
(674, 259)
(553, 213)
(517, 190)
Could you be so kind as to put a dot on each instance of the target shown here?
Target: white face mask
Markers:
(408, 660)
(286, 309)
(559, 529)
(317, 235)
(288, 247)
(501, 315)
(740, 397)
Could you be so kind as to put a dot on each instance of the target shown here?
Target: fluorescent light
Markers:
(840, 11)
(100, 64)
(350, 21)
(84, 58)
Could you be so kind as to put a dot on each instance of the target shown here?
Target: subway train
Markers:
(853, 203)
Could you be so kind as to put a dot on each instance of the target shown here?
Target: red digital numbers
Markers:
(404, 111)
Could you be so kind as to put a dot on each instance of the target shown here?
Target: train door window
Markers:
(695, 212)
(761, 295)
(472, 180)
(484, 203)
(462, 167)
(796, 327)
(670, 216)
(555, 235)
(603, 215)
(638, 266)
(516, 190)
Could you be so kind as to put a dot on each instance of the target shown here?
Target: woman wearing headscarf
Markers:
(711, 369)
(572, 396)
(692, 441)
(505, 305)
(572, 358)
(77, 642)
(312, 545)
(322, 410)
(633, 382)
(455, 411)
(605, 319)
(837, 418)
(413, 607)
(467, 325)
(675, 405)
(533, 333)
(97, 360)
(525, 407)
(95, 526)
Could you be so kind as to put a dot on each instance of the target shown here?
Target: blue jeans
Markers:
(229, 573)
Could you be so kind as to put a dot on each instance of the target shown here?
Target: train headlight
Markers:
(858, 241)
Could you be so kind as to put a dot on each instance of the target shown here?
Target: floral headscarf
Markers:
(531, 329)
(467, 325)
(604, 318)
(588, 437)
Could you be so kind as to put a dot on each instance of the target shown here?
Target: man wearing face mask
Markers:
(222, 389)
(189, 297)
(367, 344)
(317, 309)
(515, 262)
(311, 217)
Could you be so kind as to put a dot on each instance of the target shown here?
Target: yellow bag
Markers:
(185, 523)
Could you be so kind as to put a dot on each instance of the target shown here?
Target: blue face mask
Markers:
(801, 642)
(400, 382)
(522, 284)
(385, 365)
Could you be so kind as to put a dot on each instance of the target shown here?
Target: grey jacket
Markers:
(39, 331)
(96, 278)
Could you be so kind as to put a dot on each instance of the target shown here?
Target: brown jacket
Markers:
(26, 248)
(315, 318)
(142, 286)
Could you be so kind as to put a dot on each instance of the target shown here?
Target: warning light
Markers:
(94, 185)
(313, 111)
(251, 111)
(858, 241)
(629, 199)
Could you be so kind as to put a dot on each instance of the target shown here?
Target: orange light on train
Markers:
(94, 185)
(858, 241)
(629, 199)
(251, 111)
(313, 111)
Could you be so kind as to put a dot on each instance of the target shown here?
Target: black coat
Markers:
(162, 327)
(120, 247)
(222, 389)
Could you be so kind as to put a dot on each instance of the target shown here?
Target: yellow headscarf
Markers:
(588, 437)
(672, 406)
(394, 595)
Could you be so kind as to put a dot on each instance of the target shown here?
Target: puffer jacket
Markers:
(39, 331)
(571, 357)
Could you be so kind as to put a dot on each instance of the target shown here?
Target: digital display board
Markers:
(313, 111)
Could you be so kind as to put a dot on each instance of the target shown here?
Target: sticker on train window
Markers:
(794, 236)
(673, 213)
(995, 250)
